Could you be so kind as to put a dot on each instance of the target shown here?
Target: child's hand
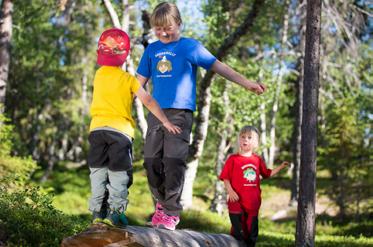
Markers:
(260, 88)
(172, 128)
(232, 196)
(284, 164)
(257, 88)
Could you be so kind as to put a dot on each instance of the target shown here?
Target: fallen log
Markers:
(101, 235)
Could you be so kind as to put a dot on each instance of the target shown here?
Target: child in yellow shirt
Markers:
(112, 127)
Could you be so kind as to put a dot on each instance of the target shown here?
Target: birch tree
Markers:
(298, 107)
(278, 83)
(5, 38)
(204, 103)
(129, 65)
(219, 200)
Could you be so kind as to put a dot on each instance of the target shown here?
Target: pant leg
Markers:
(173, 186)
(153, 153)
(252, 227)
(236, 230)
(110, 151)
(175, 153)
(118, 191)
(98, 177)
(236, 216)
(97, 161)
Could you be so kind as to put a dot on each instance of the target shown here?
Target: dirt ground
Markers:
(276, 206)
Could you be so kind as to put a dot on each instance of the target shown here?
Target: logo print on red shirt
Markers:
(250, 174)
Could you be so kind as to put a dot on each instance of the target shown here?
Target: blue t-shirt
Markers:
(172, 68)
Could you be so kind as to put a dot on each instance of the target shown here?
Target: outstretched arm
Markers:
(154, 108)
(141, 79)
(279, 168)
(230, 74)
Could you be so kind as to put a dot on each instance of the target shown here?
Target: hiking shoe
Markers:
(158, 215)
(115, 218)
(96, 217)
(169, 222)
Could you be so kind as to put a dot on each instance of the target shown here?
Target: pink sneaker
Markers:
(158, 215)
(169, 222)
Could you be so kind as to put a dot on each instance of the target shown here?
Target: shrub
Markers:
(28, 218)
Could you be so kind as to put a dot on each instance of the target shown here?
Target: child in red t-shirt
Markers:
(241, 176)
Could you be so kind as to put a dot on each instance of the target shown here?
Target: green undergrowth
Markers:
(27, 218)
(71, 190)
(64, 212)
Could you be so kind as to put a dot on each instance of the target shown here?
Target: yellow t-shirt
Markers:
(113, 91)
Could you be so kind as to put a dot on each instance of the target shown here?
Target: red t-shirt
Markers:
(243, 173)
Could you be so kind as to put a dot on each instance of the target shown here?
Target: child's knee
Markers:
(154, 171)
(174, 170)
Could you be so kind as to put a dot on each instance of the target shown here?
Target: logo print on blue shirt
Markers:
(164, 65)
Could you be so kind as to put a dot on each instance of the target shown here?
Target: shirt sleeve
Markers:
(202, 57)
(144, 68)
(226, 172)
(264, 171)
(135, 84)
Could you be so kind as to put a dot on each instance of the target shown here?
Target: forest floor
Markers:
(71, 189)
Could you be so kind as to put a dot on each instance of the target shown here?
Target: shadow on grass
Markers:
(63, 179)
(86, 220)
(275, 241)
(286, 240)
(358, 229)
(203, 222)
(350, 226)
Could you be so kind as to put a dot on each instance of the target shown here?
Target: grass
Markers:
(71, 189)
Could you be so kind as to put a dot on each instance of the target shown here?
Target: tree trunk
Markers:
(113, 15)
(305, 231)
(263, 124)
(140, 116)
(219, 200)
(67, 8)
(203, 106)
(279, 82)
(85, 104)
(5, 38)
(126, 16)
(296, 144)
(263, 129)
(298, 107)
(144, 40)
(51, 160)
(129, 66)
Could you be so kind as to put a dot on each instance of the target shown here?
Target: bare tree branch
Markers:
(113, 15)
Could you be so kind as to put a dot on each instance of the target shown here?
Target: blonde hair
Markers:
(245, 130)
(249, 129)
(163, 15)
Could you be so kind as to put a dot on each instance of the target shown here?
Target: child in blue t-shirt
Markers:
(171, 63)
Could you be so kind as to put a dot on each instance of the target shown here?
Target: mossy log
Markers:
(100, 235)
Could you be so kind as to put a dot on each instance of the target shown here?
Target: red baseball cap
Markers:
(113, 47)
